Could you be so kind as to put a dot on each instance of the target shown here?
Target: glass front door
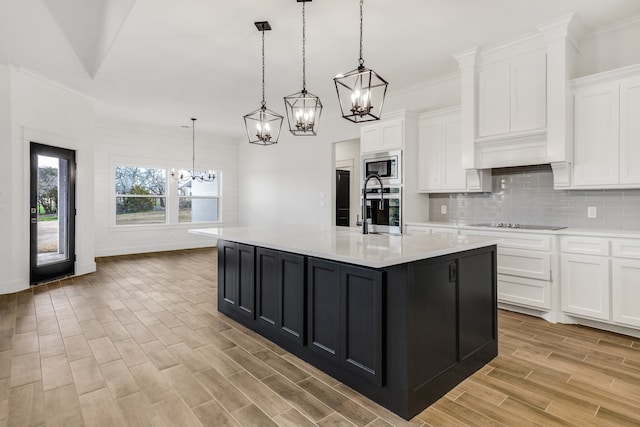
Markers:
(52, 212)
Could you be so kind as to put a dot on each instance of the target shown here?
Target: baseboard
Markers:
(10, 287)
(85, 268)
(155, 248)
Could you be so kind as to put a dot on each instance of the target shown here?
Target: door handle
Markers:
(34, 220)
(453, 272)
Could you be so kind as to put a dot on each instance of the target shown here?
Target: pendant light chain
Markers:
(193, 146)
(263, 97)
(304, 56)
(361, 60)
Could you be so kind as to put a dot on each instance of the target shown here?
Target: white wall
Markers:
(122, 144)
(347, 155)
(284, 183)
(6, 184)
(44, 112)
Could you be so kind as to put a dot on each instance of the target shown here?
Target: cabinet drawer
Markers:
(626, 248)
(585, 245)
(531, 264)
(515, 240)
(523, 291)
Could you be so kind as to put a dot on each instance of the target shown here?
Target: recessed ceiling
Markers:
(163, 61)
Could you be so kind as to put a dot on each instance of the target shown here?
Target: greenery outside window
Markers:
(140, 196)
(199, 201)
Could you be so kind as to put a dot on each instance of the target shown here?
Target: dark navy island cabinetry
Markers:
(402, 335)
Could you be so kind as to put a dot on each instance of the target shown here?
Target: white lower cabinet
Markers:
(585, 283)
(524, 268)
(625, 289)
(523, 291)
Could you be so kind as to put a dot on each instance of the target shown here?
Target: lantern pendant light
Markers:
(361, 91)
(303, 108)
(263, 125)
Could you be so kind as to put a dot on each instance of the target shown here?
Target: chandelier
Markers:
(303, 108)
(361, 91)
(263, 125)
(192, 175)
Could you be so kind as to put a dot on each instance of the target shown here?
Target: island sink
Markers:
(401, 324)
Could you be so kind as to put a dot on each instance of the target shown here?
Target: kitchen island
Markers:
(400, 319)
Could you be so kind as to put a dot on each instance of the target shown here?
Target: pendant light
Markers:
(361, 91)
(263, 125)
(186, 176)
(303, 108)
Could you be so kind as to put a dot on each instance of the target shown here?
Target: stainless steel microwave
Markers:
(387, 165)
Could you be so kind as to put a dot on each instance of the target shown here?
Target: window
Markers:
(198, 201)
(140, 196)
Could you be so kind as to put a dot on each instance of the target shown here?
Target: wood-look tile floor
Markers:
(140, 342)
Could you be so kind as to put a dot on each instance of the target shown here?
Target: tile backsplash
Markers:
(525, 195)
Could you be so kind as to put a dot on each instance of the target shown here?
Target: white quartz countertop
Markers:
(348, 244)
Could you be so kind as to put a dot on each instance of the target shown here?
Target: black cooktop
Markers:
(516, 226)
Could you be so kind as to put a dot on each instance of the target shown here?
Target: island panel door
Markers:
(227, 275)
(267, 285)
(324, 308)
(477, 299)
(362, 322)
(245, 292)
(292, 285)
(433, 320)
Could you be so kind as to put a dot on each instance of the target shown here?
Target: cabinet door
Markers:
(361, 346)
(227, 275)
(429, 155)
(292, 302)
(245, 294)
(370, 139)
(324, 308)
(529, 92)
(626, 291)
(454, 177)
(267, 287)
(493, 100)
(477, 297)
(585, 285)
(392, 134)
(432, 316)
(630, 131)
(596, 133)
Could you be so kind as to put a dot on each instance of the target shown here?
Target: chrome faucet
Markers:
(365, 227)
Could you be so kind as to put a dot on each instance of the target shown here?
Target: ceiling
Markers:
(164, 61)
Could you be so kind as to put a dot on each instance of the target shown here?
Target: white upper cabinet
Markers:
(596, 135)
(382, 136)
(607, 130)
(512, 95)
(493, 100)
(630, 131)
(515, 100)
(529, 92)
(440, 157)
